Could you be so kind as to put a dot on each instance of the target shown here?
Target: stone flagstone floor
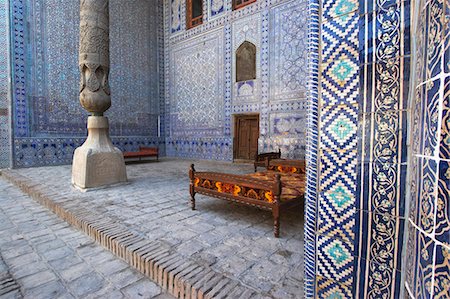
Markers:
(43, 257)
(232, 239)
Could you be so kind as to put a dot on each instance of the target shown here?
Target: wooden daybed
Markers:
(281, 186)
(144, 151)
(263, 159)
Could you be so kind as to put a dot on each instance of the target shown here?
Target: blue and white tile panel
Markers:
(428, 242)
(5, 146)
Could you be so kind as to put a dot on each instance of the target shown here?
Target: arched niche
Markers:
(246, 62)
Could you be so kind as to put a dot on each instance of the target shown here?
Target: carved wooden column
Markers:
(97, 162)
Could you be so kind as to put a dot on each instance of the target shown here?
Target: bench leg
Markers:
(192, 197)
(276, 221)
(193, 202)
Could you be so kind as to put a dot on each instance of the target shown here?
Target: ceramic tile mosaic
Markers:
(361, 207)
(428, 242)
(384, 39)
(5, 147)
(30, 152)
(278, 93)
(364, 73)
(312, 148)
(216, 8)
(337, 151)
(197, 97)
(52, 94)
(45, 76)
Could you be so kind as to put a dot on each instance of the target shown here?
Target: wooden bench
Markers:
(144, 151)
(280, 187)
(261, 160)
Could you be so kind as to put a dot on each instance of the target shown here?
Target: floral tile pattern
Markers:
(379, 128)
(428, 243)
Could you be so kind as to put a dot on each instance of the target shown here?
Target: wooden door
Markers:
(246, 137)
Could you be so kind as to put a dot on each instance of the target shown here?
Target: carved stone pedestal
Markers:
(97, 163)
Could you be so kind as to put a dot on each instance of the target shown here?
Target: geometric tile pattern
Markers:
(200, 148)
(332, 9)
(53, 87)
(30, 152)
(428, 243)
(161, 71)
(45, 99)
(197, 97)
(287, 70)
(360, 191)
(20, 105)
(330, 290)
(311, 196)
(338, 158)
(336, 205)
(333, 258)
(341, 127)
(289, 39)
(275, 27)
(266, 57)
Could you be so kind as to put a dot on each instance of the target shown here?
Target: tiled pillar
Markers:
(382, 172)
(311, 148)
(428, 244)
(362, 130)
(5, 146)
(337, 149)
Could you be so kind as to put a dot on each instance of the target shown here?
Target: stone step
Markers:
(9, 288)
(178, 275)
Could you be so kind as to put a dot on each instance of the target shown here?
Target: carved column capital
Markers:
(94, 56)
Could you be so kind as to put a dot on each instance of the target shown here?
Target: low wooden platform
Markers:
(143, 152)
(281, 186)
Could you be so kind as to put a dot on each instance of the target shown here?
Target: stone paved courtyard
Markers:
(41, 256)
(231, 239)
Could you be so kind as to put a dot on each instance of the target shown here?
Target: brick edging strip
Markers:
(179, 276)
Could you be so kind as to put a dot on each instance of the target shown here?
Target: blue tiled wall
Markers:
(378, 117)
(378, 127)
(150, 80)
(428, 222)
(5, 147)
(49, 122)
(201, 91)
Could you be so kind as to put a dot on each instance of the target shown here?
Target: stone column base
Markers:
(97, 163)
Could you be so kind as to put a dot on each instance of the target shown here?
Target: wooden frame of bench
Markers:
(263, 159)
(247, 182)
(144, 151)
